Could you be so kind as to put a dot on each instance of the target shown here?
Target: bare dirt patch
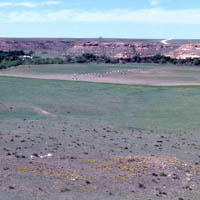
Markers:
(121, 175)
(42, 111)
(169, 76)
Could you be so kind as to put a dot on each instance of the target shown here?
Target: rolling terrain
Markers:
(132, 135)
(78, 140)
(75, 140)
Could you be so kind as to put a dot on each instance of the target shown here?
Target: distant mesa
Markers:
(113, 48)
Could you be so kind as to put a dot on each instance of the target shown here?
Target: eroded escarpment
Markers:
(185, 51)
(114, 48)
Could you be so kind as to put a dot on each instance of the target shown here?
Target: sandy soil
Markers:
(42, 111)
(157, 77)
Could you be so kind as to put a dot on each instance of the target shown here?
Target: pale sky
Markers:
(101, 18)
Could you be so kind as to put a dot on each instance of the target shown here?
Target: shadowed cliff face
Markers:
(115, 48)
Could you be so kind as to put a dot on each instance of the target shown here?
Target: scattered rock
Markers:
(11, 187)
(88, 182)
(65, 189)
(141, 186)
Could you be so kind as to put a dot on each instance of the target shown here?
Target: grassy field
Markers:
(78, 68)
(122, 105)
(100, 68)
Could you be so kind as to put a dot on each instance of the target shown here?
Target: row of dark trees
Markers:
(157, 59)
(11, 55)
(161, 59)
(10, 58)
(14, 58)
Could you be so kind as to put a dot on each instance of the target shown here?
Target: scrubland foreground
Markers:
(77, 140)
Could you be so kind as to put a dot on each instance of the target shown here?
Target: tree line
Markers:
(15, 58)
